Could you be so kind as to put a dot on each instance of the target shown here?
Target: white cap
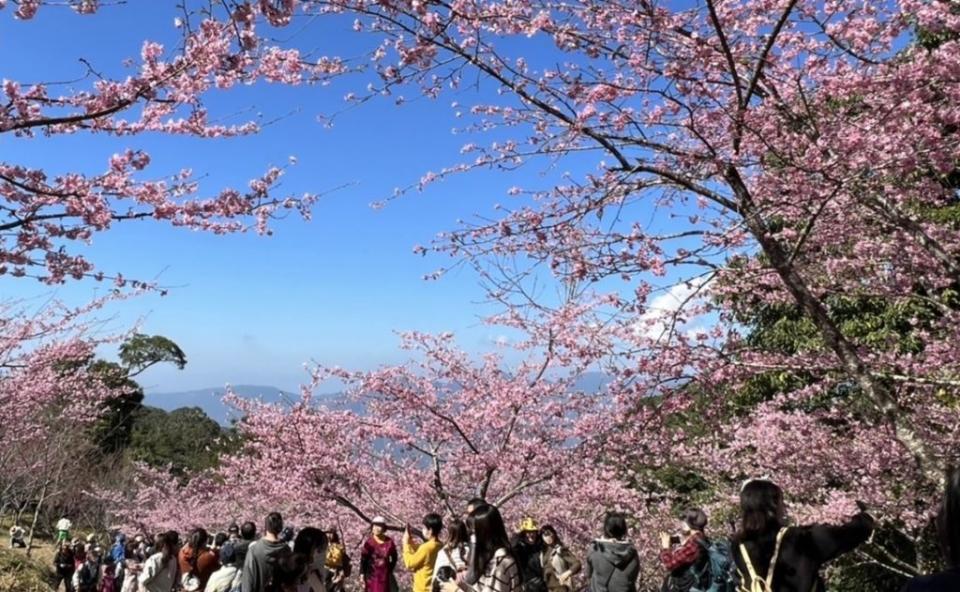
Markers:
(380, 520)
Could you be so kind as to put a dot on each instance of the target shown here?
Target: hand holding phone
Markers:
(664, 540)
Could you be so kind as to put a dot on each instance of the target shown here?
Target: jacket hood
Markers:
(617, 553)
(272, 547)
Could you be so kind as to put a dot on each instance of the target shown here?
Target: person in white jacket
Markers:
(17, 533)
(455, 553)
(160, 570)
(226, 578)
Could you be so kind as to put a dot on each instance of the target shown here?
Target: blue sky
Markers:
(250, 309)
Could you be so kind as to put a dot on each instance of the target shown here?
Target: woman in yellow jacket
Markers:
(420, 559)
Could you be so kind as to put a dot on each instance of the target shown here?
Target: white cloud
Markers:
(659, 316)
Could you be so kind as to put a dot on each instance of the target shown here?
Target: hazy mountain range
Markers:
(210, 399)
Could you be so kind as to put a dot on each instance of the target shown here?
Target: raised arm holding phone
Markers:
(420, 558)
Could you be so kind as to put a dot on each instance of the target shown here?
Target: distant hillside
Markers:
(210, 399)
(592, 382)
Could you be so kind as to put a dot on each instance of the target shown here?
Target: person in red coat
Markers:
(378, 558)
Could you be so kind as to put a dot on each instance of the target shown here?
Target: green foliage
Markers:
(873, 322)
(947, 215)
(112, 432)
(185, 439)
(140, 351)
(930, 39)
(851, 573)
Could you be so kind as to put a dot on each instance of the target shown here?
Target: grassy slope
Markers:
(18, 573)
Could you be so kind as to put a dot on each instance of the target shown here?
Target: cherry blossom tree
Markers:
(49, 399)
(721, 153)
(404, 441)
(47, 214)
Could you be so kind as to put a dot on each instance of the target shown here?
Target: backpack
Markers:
(274, 570)
(717, 574)
(85, 578)
(445, 574)
(756, 583)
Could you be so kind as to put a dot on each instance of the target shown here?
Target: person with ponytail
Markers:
(197, 562)
(773, 557)
(160, 570)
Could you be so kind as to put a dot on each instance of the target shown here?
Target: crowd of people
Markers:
(475, 553)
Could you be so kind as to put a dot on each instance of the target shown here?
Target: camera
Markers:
(444, 574)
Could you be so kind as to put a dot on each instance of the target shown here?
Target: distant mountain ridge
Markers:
(210, 400)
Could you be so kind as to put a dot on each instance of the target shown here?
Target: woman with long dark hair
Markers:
(948, 529)
(559, 564)
(492, 560)
(773, 557)
(311, 548)
(160, 569)
(197, 561)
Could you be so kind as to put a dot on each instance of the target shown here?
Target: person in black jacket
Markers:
(527, 548)
(64, 566)
(796, 553)
(948, 527)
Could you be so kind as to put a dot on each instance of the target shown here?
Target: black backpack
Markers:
(86, 577)
(276, 568)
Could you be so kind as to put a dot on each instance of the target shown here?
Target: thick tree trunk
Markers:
(879, 394)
